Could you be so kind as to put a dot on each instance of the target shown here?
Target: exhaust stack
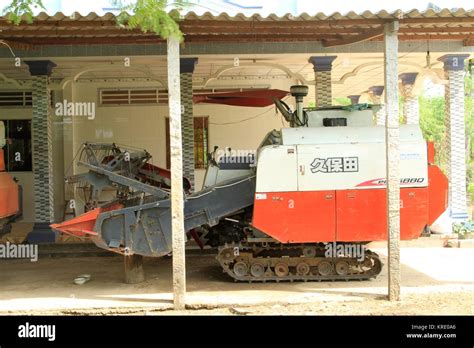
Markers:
(299, 92)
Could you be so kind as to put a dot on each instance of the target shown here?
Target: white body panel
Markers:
(354, 118)
(279, 170)
(339, 158)
(346, 135)
(357, 166)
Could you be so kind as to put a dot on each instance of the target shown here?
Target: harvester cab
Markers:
(10, 191)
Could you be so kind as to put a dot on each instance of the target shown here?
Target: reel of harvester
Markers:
(116, 172)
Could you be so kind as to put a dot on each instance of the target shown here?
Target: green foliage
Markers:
(432, 125)
(152, 16)
(432, 122)
(342, 101)
(464, 229)
(19, 8)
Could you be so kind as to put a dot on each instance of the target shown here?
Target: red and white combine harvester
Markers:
(10, 192)
(311, 188)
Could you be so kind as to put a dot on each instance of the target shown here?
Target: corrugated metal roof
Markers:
(334, 29)
(399, 14)
(444, 13)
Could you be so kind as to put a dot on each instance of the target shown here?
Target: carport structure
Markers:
(339, 55)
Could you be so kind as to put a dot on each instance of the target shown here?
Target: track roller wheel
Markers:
(302, 268)
(342, 268)
(241, 269)
(257, 270)
(281, 269)
(325, 268)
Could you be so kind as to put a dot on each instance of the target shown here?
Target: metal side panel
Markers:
(146, 229)
(277, 169)
(296, 217)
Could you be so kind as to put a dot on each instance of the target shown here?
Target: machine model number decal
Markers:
(335, 165)
(382, 182)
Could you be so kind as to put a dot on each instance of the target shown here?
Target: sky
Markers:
(264, 7)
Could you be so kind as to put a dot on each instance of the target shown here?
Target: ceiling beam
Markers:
(308, 30)
(364, 36)
(436, 20)
(269, 30)
(153, 39)
(105, 36)
(437, 30)
(18, 45)
(74, 32)
(261, 33)
(438, 37)
(82, 40)
(218, 39)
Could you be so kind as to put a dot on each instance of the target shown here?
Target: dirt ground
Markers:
(435, 281)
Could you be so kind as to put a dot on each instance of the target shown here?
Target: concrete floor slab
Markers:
(47, 286)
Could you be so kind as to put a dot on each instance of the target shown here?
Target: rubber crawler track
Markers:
(247, 254)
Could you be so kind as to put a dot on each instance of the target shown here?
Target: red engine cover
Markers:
(348, 215)
(9, 204)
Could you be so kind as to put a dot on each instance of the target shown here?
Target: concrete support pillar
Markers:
(411, 107)
(42, 139)
(177, 198)
(456, 134)
(322, 66)
(187, 66)
(58, 123)
(354, 99)
(392, 158)
(376, 98)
